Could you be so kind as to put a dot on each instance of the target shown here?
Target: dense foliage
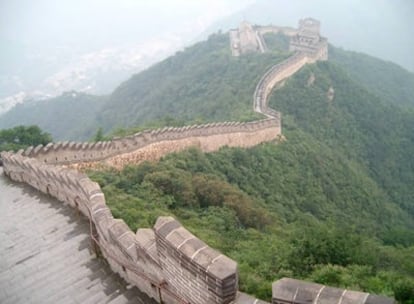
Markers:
(332, 204)
(200, 84)
(387, 80)
(376, 135)
(70, 116)
(21, 137)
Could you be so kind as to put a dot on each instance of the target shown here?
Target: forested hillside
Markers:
(333, 203)
(21, 137)
(202, 83)
(70, 116)
(387, 80)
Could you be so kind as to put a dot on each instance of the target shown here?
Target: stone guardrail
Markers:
(66, 153)
(167, 262)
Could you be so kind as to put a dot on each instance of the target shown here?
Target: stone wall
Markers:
(152, 145)
(288, 31)
(167, 262)
(308, 40)
(274, 75)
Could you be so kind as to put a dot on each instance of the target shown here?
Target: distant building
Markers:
(244, 40)
(248, 41)
(308, 39)
(291, 291)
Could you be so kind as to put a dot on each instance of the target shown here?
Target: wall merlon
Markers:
(65, 145)
(56, 146)
(97, 201)
(168, 253)
(191, 259)
(37, 149)
(78, 146)
(28, 151)
(89, 187)
(127, 244)
(123, 238)
(48, 147)
(145, 238)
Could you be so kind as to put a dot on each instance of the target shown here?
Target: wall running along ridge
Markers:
(152, 145)
(167, 262)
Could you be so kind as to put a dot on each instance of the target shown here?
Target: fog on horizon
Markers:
(49, 47)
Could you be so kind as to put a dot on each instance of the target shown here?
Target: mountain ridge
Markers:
(317, 186)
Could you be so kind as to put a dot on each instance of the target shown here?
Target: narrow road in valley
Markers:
(45, 254)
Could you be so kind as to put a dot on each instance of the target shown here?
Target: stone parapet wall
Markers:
(288, 31)
(208, 143)
(151, 145)
(190, 265)
(274, 75)
(168, 263)
(141, 258)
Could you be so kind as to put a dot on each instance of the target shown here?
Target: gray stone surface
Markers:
(45, 254)
(293, 291)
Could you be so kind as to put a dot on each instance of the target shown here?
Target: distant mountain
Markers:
(202, 83)
(385, 79)
(333, 203)
(34, 72)
(70, 116)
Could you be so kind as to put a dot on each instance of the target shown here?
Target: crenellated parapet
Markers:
(150, 259)
(167, 262)
(152, 145)
(185, 258)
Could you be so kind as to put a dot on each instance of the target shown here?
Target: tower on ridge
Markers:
(309, 40)
(245, 40)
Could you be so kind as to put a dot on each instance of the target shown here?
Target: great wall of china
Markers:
(167, 262)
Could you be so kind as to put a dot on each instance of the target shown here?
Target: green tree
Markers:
(404, 291)
(99, 135)
(21, 137)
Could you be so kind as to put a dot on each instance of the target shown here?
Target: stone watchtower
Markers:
(248, 40)
(245, 40)
(308, 39)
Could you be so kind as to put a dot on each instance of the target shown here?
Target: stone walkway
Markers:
(45, 256)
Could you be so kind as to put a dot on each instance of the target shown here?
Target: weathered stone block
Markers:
(185, 258)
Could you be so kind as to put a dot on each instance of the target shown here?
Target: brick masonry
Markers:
(167, 262)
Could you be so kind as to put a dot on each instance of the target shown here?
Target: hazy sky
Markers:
(95, 21)
(45, 42)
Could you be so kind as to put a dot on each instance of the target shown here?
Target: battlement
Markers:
(308, 39)
(153, 144)
(167, 262)
(160, 262)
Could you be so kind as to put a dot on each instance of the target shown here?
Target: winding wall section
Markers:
(167, 262)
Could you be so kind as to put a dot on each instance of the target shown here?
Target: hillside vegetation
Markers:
(70, 116)
(332, 204)
(21, 137)
(202, 83)
(385, 79)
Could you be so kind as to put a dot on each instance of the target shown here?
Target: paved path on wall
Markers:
(45, 257)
